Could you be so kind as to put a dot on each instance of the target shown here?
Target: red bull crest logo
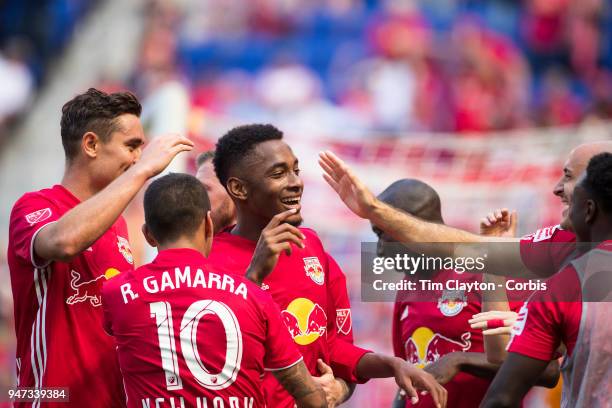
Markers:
(425, 346)
(84, 291)
(124, 248)
(305, 320)
(314, 270)
(452, 302)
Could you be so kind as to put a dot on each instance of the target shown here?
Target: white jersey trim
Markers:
(32, 257)
(286, 367)
(38, 338)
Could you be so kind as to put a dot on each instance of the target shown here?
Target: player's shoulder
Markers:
(30, 198)
(312, 238)
(113, 283)
(552, 233)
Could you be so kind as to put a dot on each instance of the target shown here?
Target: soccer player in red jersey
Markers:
(574, 311)
(187, 334)
(261, 174)
(65, 241)
(542, 252)
(222, 210)
(430, 327)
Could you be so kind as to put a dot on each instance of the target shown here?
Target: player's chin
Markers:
(566, 223)
(295, 220)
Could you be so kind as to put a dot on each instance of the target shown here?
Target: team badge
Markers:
(314, 270)
(38, 216)
(305, 320)
(124, 248)
(452, 302)
(344, 322)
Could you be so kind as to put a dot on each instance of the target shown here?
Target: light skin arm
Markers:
(300, 384)
(336, 390)
(80, 227)
(514, 379)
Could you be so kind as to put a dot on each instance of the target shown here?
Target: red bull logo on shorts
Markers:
(305, 320)
(425, 346)
(88, 290)
(314, 270)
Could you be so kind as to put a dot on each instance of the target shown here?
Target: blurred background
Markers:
(481, 98)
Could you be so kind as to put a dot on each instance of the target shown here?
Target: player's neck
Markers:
(248, 227)
(183, 243)
(601, 232)
(78, 183)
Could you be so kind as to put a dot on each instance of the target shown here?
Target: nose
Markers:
(558, 189)
(295, 182)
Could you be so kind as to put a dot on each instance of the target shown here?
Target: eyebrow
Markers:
(135, 140)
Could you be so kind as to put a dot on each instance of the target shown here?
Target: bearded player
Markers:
(261, 174)
(66, 240)
(431, 328)
(574, 311)
(222, 207)
(542, 252)
(187, 334)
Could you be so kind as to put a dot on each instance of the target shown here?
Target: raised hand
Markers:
(499, 223)
(276, 237)
(351, 190)
(160, 151)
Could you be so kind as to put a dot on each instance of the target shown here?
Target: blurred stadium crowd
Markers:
(392, 66)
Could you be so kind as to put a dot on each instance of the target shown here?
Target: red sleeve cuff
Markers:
(344, 358)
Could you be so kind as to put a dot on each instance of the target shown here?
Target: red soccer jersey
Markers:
(301, 285)
(424, 331)
(545, 251)
(58, 314)
(189, 335)
(549, 318)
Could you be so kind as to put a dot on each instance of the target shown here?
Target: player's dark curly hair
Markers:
(598, 180)
(235, 146)
(94, 111)
(175, 205)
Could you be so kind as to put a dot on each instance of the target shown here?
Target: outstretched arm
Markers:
(80, 227)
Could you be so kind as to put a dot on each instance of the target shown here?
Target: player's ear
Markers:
(590, 211)
(90, 144)
(208, 233)
(148, 236)
(237, 188)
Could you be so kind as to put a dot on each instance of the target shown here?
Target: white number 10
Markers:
(162, 312)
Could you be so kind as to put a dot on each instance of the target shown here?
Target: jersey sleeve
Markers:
(107, 307)
(547, 319)
(344, 357)
(339, 306)
(281, 351)
(396, 331)
(30, 214)
(545, 251)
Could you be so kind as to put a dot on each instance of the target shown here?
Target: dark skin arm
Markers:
(514, 379)
(476, 364)
(299, 383)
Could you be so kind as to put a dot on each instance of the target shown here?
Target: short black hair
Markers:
(94, 111)
(598, 180)
(175, 205)
(204, 157)
(235, 146)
